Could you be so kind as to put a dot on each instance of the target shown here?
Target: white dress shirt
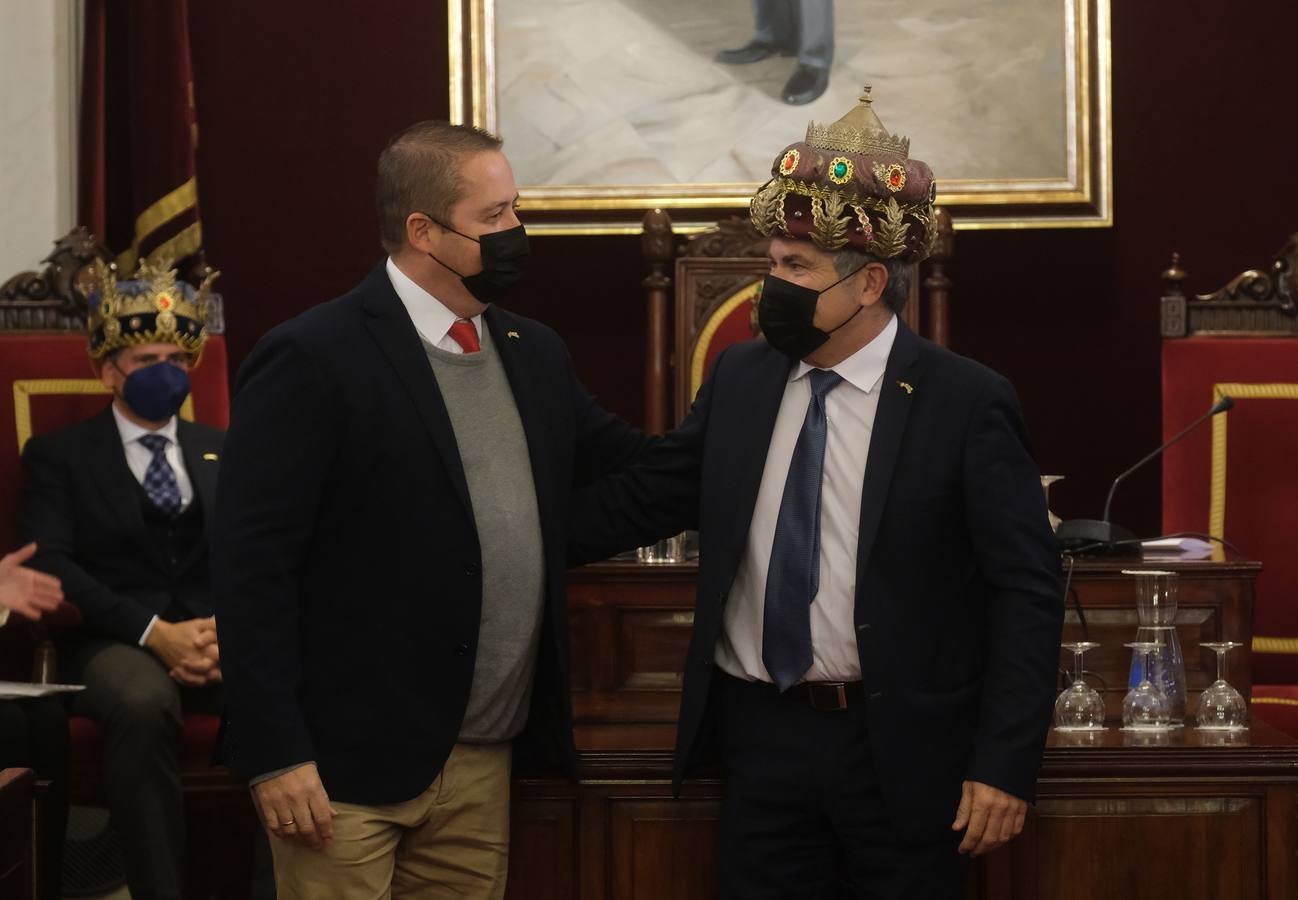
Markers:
(433, 320)
(138, 458)
(850, 409)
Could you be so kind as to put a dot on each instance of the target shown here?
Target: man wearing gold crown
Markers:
(878, 613)
(119, 506)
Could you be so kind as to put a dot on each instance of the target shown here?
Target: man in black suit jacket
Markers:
(878, 612)
(389, 550)
(120, 506)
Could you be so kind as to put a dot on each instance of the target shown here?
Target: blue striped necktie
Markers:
(794, 575)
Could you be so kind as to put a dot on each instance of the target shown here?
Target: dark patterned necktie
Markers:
(794, 575)
(160, 479)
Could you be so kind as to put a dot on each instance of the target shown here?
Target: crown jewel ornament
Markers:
(153, 307)
(850, 185)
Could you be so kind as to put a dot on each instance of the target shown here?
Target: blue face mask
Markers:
(155, 393)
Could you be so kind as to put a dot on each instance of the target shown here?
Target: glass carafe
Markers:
(1156, 600)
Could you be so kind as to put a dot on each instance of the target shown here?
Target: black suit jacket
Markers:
(958, 604)
(346, 567)
(82, 505)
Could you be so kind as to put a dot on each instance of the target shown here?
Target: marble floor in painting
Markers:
(627, 92)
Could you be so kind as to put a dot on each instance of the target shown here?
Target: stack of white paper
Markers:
(1182, 547)
(16, 690)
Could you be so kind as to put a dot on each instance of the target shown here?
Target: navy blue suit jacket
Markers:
(958, 591)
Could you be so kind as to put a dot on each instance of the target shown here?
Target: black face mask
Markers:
(786, 312)
(504, 260)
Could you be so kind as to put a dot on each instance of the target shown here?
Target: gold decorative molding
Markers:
(1217, 489)
(1263, 644)
(1082, 198)
(746, 294)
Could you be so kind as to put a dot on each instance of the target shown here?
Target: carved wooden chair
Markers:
(717, 274)
(1238, 481)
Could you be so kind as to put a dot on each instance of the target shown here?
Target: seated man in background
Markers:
(119, 506)
(34, 732)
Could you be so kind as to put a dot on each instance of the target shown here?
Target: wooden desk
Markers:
(1218, 821)
(17, 862)
(1180, 818)
(1189, 816)
(630, 627)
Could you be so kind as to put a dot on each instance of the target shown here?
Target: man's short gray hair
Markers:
(897, 290)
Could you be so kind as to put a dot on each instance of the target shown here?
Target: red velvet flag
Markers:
(138, 185)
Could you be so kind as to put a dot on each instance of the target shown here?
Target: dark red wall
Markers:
(293, 111)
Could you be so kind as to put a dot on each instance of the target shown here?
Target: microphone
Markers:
(1104, 536)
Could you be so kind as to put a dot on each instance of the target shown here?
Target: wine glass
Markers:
(1079, 706)
(1221, 707)
(1046, 481)
(1145, 708)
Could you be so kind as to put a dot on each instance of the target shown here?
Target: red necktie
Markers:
(464, 334)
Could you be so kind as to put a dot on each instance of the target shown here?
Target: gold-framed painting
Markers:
(610, 108)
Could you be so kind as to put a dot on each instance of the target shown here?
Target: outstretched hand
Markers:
(26, 591)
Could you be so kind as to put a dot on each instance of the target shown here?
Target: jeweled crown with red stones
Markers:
(850, 185)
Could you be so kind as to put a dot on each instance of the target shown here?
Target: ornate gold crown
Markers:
(850, 185)
(153, 307)
(860, 131)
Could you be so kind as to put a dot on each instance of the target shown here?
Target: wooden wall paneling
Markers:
(543, 839)
(662, 848)
(1146, 840)
(220, 827)
(651, 642)
(17, 813)
(581, 648)
(640, 622)
(593, 849)
(1282, 841)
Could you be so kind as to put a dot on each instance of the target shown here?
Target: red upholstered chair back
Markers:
(46, 382)
(1237, 479)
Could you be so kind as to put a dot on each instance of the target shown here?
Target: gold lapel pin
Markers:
(210, 457)
(512, 334)
(907, 387)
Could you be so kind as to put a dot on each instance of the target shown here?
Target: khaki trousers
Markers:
(450, 841)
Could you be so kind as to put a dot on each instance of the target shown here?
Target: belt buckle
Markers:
(837, 692)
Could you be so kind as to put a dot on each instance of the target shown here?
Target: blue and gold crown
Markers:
(153, 307)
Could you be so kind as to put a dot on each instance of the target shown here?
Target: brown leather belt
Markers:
(823, 696)
(829, 696)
